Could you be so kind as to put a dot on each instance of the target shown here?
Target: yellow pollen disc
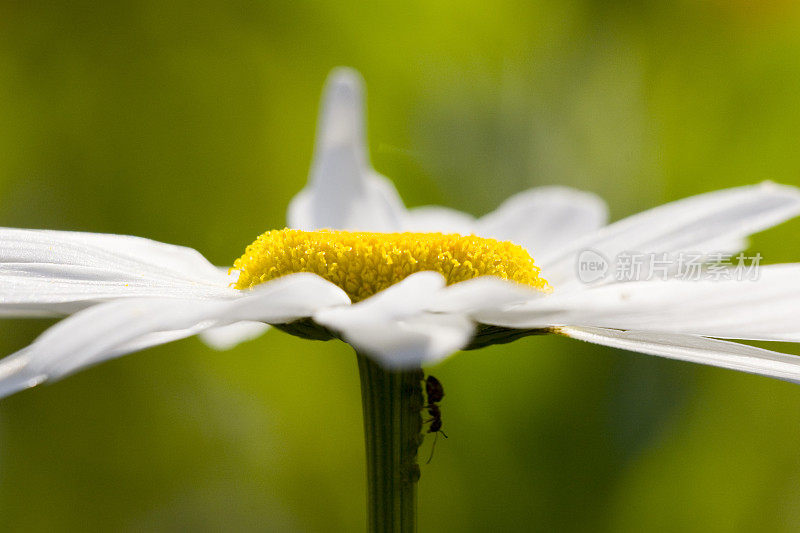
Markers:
(363, 264)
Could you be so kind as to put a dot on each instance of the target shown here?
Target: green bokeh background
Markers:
(193, 124)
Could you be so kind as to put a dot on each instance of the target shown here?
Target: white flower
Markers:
(124, 294)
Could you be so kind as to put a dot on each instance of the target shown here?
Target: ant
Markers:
(435, 392)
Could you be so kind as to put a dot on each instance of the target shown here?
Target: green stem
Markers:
(392, 404)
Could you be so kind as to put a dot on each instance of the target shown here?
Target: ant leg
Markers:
(433, 447)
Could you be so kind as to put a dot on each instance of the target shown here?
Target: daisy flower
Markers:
(409, 287)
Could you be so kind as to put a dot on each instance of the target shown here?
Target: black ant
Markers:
(435, 392)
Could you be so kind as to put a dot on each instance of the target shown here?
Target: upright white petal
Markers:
(394, 328)
(115, 328)
(695, 349)
(706, 223)
(434, 218)
(544, 219)
(344, 192)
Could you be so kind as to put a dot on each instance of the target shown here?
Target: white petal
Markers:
(482, 295)
(695, 349)
(29, 289)
(286, 299)
(544, 219)
(45, 273)
(96, 334)
(706, 223)
(112, 329)
(433, 218)
(122, 253)
(226, 337)
(393, 327)
(763, 309)
(343, 191)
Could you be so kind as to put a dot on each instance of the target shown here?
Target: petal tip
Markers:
(342, 113)
(782, 188)
(344, 81)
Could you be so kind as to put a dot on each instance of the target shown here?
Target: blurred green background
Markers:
(193, 123)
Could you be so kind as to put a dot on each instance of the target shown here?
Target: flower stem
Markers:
(392, 404)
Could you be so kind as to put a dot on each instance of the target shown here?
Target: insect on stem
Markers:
(434, 392)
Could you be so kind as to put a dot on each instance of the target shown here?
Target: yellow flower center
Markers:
(363, 264)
